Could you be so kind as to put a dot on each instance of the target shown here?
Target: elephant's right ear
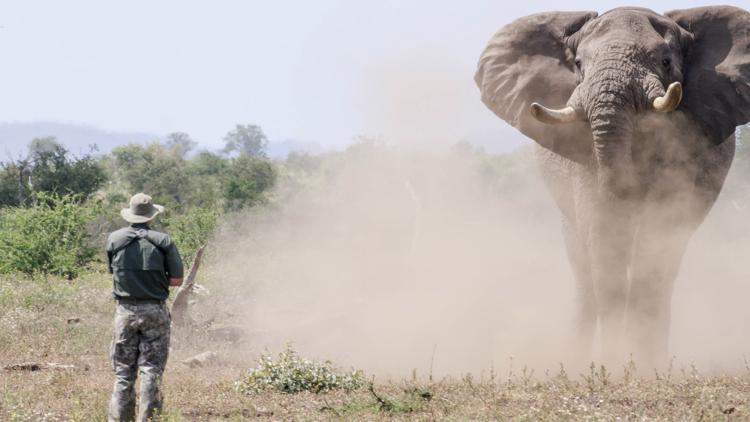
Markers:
(717, 68)
(528, 61)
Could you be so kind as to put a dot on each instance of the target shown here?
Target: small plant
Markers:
(290, 373)
(412, 403)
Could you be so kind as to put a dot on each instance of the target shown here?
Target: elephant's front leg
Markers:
(681, 196)
(585, 313)
(611, 247)
(659, 248)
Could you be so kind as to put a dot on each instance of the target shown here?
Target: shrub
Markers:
(246, 181)
(191, 230)
(290, 373)
(50, 237)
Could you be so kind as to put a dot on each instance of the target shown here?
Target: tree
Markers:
(180, 143)
(206, 163)
(206, 171)
(246, 140)
(14, 186)
(303, 162)
(48, 168)
(53, 171)
(246, 181)
(153, 169)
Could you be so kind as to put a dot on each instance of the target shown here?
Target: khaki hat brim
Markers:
(128, 215)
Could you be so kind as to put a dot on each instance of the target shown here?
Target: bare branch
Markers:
(179, 306)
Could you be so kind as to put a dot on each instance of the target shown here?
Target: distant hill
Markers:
(14, 137)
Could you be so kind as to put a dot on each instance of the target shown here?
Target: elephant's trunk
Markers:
(610, 112)
(614, 93)
(612, 129)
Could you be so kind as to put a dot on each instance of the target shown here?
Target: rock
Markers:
(229, 333)
(200, 290)
(74, 321)
(259, 411)
(59, 366)
(202, 360)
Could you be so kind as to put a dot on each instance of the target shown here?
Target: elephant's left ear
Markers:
(717, 68)
(529, 60)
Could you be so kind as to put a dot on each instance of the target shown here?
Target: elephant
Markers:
(634, 115)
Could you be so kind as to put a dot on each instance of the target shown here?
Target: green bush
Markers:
(246, 181)
(191, 230)
(290, 373)
(49, 237)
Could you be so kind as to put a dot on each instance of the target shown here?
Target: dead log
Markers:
(37, 366)
(180, 304)
(26, 366)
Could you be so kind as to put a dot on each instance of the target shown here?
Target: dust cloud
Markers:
(448, 262)
(393, 262)
(396, 262)
(423, 100)
(710, 312)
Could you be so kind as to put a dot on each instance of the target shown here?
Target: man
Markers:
(144, 263)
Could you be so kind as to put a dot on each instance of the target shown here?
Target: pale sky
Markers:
(320, 71)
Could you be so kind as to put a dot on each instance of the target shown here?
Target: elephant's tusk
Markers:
(670, 100)
(552, 116)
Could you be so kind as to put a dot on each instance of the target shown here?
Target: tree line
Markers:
(55, 207)
(234, 177)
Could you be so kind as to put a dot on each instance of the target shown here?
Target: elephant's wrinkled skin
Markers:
(636, 117)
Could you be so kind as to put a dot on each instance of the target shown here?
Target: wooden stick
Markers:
(179, 306)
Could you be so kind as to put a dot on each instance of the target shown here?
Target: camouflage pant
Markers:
(141, 341)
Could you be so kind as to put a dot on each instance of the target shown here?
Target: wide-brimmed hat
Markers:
(142, 209)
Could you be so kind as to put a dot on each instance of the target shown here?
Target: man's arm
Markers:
(108, 250)
(174, 266)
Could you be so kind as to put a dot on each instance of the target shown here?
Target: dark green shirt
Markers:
(141, 262)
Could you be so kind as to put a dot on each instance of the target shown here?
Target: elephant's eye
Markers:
(578, 63)
(666, 62)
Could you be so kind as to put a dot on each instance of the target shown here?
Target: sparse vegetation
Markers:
(34, 327)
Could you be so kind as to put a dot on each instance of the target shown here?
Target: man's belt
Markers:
(132, 301)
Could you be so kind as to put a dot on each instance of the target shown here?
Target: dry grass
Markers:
(34, 328)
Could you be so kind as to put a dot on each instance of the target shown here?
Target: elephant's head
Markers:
(575, 81)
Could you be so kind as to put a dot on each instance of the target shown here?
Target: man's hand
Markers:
(175, 282)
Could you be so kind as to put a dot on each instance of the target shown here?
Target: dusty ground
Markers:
(34, 327)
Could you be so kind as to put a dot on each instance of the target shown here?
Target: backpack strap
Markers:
(123, 246)
(144, 234)
(140, 234)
